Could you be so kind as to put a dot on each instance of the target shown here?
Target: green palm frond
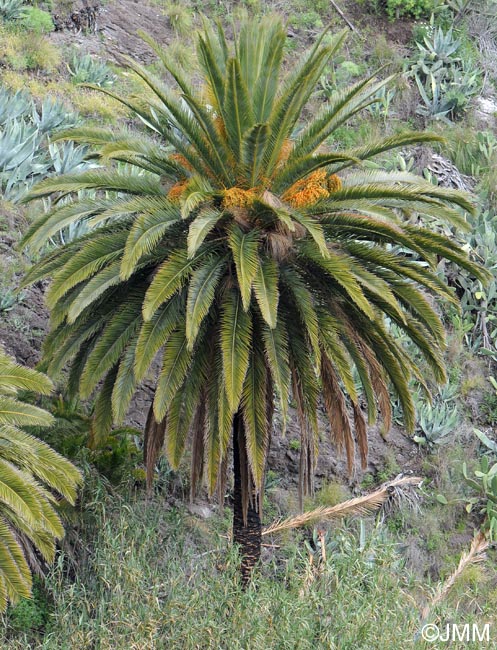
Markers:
(341, 107)
(253, 145)
(29, 470)
(113, 342)
(266, 290)
(235, 339)
(124, 385)
(200, 227)
(183, 407)
(201, 293)
(254, 400)
(177, 358)
(99, 180)
(170, 277)
(276, 347)
(146, 233)
(155, 332)
(14, 412)
(91, 258)
(244, 247)
(14, 377)
(102, 414)
(93, 290)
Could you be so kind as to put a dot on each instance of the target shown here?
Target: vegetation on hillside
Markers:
(324, 252)
(246, 256)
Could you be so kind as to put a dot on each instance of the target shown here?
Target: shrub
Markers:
(41, 54)
(30, 613)
(28, 51)
(36, 20)
(180, 17)
(396, 9)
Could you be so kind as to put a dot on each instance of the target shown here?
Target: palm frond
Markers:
(29, 469)
(244, 247)
(359, 506)
(169, 278)
(235, 339)
(266, 290)
(146, 233)
(155, 332)
(276, 347)
(175, 363)
(201, 294)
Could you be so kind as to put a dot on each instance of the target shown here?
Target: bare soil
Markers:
(118, 27)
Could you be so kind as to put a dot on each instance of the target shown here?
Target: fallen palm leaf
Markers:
(359, 506)
(475, 554)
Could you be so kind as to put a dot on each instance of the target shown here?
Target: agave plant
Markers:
(13, 105)
(88, 70)
(436, 423)
(33, 479)
(67, 158)
(446, 81)
(11, 9)
(53, 114)
(25, 152)
(21, 158)
(254, 261)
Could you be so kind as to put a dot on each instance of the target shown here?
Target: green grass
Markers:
(141, 575)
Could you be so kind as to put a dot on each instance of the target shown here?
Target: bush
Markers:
(27, 51)
(396, 9)
(37, 21)
(30, 614)
(40, 53)
(180, 18)
(409, 8)
(95, 105)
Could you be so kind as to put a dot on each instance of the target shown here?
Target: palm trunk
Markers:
(247, 530)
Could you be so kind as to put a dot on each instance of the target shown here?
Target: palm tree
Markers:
(254, 260)
(33, 477)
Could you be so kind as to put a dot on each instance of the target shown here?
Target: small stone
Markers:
(202, 511)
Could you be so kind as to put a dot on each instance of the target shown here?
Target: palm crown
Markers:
(29, 472)
(256, 261)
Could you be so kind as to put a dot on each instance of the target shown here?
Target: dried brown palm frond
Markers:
(364, 505)
(475, 554)
(401, 496)
(153, 442)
